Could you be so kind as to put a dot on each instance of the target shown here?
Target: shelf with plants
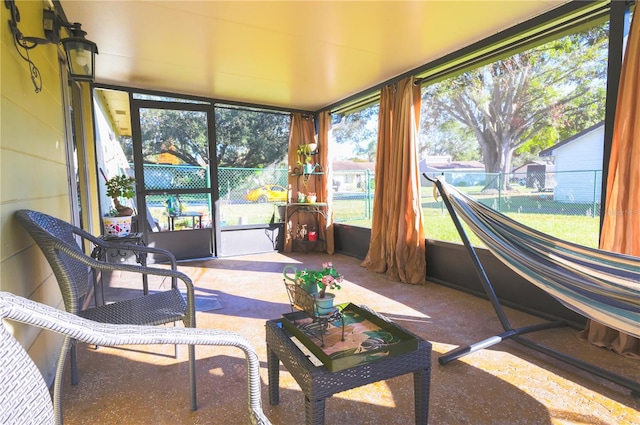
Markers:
(307, 177)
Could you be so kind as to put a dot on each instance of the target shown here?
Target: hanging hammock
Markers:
(601, 285)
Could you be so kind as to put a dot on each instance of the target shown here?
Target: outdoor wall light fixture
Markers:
(80, 52)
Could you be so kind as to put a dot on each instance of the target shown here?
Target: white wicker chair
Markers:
(24, 397)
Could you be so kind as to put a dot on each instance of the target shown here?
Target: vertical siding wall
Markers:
(33, 173)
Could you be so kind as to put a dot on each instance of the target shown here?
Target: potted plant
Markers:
(316, 283)
(311, 197)
(304, 154)
(121, 186)
(118, 221)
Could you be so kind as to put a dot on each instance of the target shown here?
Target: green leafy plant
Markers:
(326, 278)
(120, 186)
(304, 154)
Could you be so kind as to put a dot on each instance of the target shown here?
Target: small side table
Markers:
(318, 383)
(194, 215)
(102, 254)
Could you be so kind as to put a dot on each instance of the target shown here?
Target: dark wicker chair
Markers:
(75, 271)
(24, 397)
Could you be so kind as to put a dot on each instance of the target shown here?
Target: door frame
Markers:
(180, 243)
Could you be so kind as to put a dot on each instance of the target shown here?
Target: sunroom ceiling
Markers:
(293, 54)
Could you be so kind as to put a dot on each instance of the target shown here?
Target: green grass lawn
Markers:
(571, 222)
(567, 221)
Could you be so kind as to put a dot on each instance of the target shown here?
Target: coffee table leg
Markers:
(273, 367)
(421, 381)
(314, 411)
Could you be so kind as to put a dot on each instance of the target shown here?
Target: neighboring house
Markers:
(578, 166)
(535, 174)
(457, 173)
(351, 176)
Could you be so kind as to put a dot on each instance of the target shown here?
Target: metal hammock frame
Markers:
(631, 301)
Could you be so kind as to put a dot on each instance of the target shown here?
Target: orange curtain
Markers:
(397, 245)
(325, 193)
(301, 131)
(621, 224)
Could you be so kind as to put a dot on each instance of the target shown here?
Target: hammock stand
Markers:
(515, 334)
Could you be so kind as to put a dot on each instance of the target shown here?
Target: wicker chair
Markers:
(73, 269)
(24, 397)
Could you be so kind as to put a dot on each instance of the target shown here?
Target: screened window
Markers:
(251, 149)
(524, 134)
(353, 150)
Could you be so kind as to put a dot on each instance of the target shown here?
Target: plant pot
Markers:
(309, 288)
(117, 226)
(324, 305)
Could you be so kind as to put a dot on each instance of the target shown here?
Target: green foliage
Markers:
(326, 278)
(251, 139)
(447, 138)
(359, 129)
(182, 133)
(304, 154)
(513, 101)
(121, 186)
(244, 138)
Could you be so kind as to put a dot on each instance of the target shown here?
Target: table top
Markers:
(186, 214)
(129, 237)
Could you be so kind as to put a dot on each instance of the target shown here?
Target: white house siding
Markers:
(578, 168)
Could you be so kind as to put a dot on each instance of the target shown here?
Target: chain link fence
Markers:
(251, 195)
(564, 204)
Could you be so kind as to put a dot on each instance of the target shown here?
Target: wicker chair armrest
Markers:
(124, 246)
(26, 311)
(137, 248)
(86, 235)
(134, 268)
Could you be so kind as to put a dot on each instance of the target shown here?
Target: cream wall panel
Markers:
(15, 71)
(12, 237)
(44, 350)
(26, 132)
(31, 177)
(25, 272)
(33, 172)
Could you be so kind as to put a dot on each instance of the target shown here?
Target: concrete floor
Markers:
(504, 384)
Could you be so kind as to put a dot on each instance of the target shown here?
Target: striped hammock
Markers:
(601, 285)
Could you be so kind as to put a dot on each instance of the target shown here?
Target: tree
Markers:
(244, 138)
(448, 138)
(514, 101)
(251, 139)
(183, 134)
(359, 129)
